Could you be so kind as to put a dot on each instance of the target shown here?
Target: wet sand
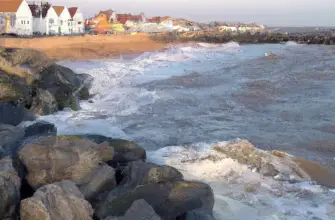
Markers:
(86, 47)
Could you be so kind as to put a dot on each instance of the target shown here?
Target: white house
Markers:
(45, 19)
(64, 19)
(16, 17)
(77, 17)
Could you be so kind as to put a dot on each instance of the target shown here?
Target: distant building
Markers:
(65, 20)
(111, 15)
(124, 18)
(77, 20)
(16, 17)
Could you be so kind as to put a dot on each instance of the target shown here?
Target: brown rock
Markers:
(53, 159)
(58, 201)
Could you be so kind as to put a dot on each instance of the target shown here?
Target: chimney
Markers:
(7, 24)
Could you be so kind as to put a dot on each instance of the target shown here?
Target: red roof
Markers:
(108, 12)
(73, 11)
(123, 18)
(155, 19)
(10, 5)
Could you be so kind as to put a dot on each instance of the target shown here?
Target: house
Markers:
(45, 19)
(77, 20)
(16, 17)
(123, 18)
(111, 15)
(64, 20)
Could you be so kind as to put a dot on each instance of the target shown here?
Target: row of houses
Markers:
(110, 20)
(27, 18)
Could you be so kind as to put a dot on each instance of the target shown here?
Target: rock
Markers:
(141, 173)
(268, 169)
(40, 128)
(44, 103)
(63, 84)
(53, 159)
(140, 209)
(10, 184)
(168, 199)
(101, 181)
(125, 151)
(58, 201)
(14, 115)
(14, 88)
(10, 138)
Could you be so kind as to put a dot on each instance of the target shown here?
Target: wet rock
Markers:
(268, 169)
(53, 159)
(125, 151)
(14, 115)
(10, 138)
(58, 201)
(101, 181)
(10, 184)
(140, 173)
(63, 84)
(169, 199)
(40, 128)
(44, 103)
(140, 209)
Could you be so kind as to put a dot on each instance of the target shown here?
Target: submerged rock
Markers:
(169, 199)
(140, 209)
(59, 158)
(57, 201)
(10, 184)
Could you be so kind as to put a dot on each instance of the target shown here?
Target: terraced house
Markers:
(15, 17)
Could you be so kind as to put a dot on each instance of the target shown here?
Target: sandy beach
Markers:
(86, 47)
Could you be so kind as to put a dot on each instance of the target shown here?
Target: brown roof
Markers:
(73, 11)
(10, 5)
(58, 9)
(108, 12)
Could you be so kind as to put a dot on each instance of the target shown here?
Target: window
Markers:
(21, 21)
(27, 22)
(61, 22)
(24, 22)
(68, 24)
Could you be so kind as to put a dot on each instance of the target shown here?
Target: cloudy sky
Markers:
(279, 12)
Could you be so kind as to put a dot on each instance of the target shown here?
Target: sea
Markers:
(178, 102)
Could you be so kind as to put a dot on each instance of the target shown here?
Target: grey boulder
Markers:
(57, 201)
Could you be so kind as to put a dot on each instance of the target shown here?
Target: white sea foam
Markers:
(240, 193)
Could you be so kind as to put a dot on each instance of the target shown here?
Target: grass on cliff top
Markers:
(6, 67)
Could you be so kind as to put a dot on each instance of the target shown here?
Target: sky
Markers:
(268, 12)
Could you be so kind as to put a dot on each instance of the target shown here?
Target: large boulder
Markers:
(53, 159)
(140, 209)
(14, 114)
(125, 151)
(98, 183)
(169, 199)
(57, 201)
(63, 84)
(140, 173)
(10, 184)
(40, 128)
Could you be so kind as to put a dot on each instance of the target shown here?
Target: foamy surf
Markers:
(242, 193)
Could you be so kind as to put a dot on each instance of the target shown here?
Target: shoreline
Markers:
(80, 48)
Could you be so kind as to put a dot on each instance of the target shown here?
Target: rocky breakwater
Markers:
(247, 38)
